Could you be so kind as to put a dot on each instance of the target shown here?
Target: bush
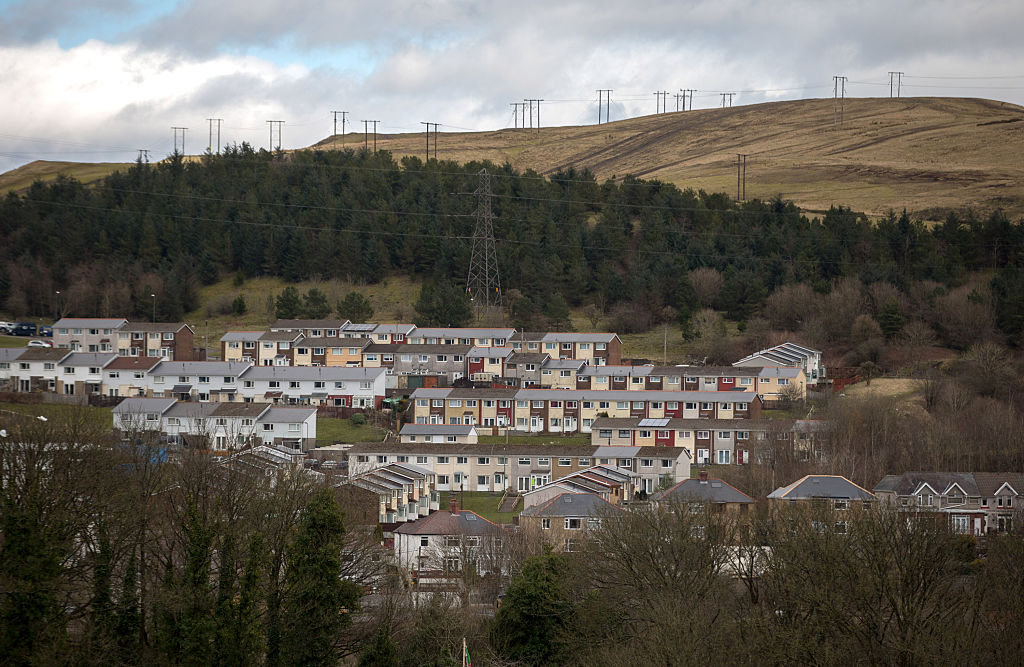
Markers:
(358, 419)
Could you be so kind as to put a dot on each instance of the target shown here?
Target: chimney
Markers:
(703, 475)
(453, 505)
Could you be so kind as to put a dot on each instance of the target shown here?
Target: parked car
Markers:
(40, 343)
(24, 329)
(45, 331)
(7, 327)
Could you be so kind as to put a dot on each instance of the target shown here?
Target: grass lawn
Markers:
(14, 341)
(483, 503)
(535, 440)
(58, 412)
(330, 431)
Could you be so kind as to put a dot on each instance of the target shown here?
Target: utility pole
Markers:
(483, 283)
(428, 138)
(677, 97)
(838, 99)
(280, 124)
(366, 135)
(688, 92)
(144, 155)
(729, 96)
(661, 101)
(607, 96)
(531, 101)
(176, 129)
(898, 76)
(741, 170)
(343, 114)
(374, 134)
(209, 147)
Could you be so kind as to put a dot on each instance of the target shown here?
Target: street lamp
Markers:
(154, 306)
(56, 307)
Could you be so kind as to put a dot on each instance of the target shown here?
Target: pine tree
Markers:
(355, 307)
(289, 304)
(315, 306)
(317, 602)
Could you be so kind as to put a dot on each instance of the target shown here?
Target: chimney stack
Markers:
(703, 474)
(453, 505)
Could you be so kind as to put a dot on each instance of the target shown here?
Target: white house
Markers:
(199, 380)
(448, 540)
(314, 385)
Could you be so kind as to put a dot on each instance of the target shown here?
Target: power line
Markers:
(729, 96)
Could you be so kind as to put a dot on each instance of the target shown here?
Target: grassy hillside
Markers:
(19, 179)
(392, 301)
(924, 154)
(917, 153)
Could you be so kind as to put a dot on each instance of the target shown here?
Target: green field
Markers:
(330, 431)
(59, 413)
(483, 503)
(13, 341)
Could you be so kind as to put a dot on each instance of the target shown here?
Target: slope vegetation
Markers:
(928, 155)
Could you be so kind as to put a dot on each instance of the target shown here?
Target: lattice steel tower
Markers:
(483, 283)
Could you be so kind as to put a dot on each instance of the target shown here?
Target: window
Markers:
(544, 462)
(481, 480)
(524, 460)
(573, 523)
(601, 346)
(666, 463)
(442, 460)
(565, 461)
(274, 384)
(724, 435)
(462, 459)
(293, 428)
(483, 460)
(545, 524)
(646, 463)
(783, 382)
(644, 434)
(270, 427)
(723, 456)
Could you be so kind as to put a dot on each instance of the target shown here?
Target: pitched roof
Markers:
(156, 327)
(100, 359)
(437, 429)
(143, 405)
(453, 332)
(44, 354)
(133, 363)
(710, 490)
(281, 415)
(226, 368)
(11, 353)
(443, 522)
(241, 336)
(821, 486)
(572, 504)
(89, 322)
(309, 324)
(553, 450)
(233, 409)
(327, 373)
(676, 424)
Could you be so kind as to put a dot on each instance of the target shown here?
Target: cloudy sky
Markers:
(96, 80)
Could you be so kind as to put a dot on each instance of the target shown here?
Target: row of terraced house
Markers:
(63, 371)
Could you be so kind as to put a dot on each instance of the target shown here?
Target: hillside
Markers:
(917, 153)
(924, 154)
